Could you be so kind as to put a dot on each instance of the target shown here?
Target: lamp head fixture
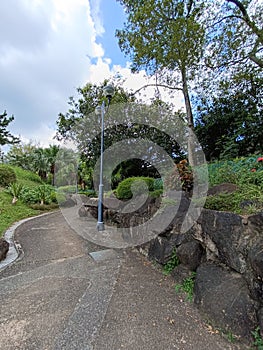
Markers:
(108, 91)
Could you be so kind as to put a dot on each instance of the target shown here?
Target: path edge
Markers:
(15, 250)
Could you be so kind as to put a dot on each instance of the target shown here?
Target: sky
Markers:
(49, 48)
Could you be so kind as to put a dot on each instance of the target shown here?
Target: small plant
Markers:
(171, 263)
(181, 177)
(7, 175)
(15, 189)
(258, 341)
(43, 193)
(187, 286)
(231, 337)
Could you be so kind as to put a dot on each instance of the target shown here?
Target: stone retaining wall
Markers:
(225, 251)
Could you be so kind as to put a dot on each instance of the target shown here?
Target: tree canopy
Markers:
(81, 124)
(5, 136)
(166, 38)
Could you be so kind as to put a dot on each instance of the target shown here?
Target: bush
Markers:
(134, 186)
(42, 193)
(29, 195)
(70, 189)
(158, 184)
(156, 193)
(7, 175)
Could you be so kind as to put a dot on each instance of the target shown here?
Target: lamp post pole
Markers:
(100, 223)
(100, 110)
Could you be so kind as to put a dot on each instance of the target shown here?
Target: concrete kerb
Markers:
(15, 250)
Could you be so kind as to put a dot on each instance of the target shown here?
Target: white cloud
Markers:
(45, 47)
(47, 50)
(133, 82)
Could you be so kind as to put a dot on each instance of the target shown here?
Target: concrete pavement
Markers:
(65, 292)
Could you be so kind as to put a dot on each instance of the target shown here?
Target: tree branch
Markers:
(253, 54)
(155, 85)
(247, 19)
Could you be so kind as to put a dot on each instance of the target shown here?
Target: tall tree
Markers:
(231, 123)
(167, 37)
(22, 155)
(51, 154)
(236, 33)
(81, 124)
(5, 136)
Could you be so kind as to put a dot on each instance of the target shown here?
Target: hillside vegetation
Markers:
(26, 205)
(247, 174)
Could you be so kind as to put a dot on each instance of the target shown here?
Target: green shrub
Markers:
(29, 195)
(70, 189)
(7, 175)
(156, 193)
(158, 184)
(89, 193)
(15, 189)
(44, 207)
(42, 193)
(134, 186)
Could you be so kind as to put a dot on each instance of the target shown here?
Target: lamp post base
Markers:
(100, 226)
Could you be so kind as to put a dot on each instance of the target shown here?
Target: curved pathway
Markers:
(67, 293)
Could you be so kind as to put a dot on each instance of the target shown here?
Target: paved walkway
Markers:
(67, 293)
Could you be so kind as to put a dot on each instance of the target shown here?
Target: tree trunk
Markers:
(190, 120)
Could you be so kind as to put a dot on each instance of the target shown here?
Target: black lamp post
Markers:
(108, 92)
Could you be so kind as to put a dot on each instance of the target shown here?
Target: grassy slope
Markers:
(247, 174)
(11, 213)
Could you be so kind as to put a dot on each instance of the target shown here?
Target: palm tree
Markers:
(51, 154)
(40, 163)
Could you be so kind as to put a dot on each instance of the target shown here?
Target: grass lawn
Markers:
(9, 214)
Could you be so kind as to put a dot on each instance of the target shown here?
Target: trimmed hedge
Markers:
(134, 186)
(7, 175)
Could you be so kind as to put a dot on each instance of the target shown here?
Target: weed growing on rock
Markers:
(171, 264)
(258, 339)
(187, 286)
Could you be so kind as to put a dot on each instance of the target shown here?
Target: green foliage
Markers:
(187, 286)
(5, 136)
(10, 213)
(238, 34)
(134, 186)
(229, 125)
(231, 337)
(7, 175)
(171, 264)
(43, 194)
(174, 44)
(67, 189)
(237, 171)
(89, 193)
(26, 185)
(15, 189)
(258, 341)
(26, 177)
(158, 184)
(156, 193)
(44, 207)
(247, 174)
(34, 158)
